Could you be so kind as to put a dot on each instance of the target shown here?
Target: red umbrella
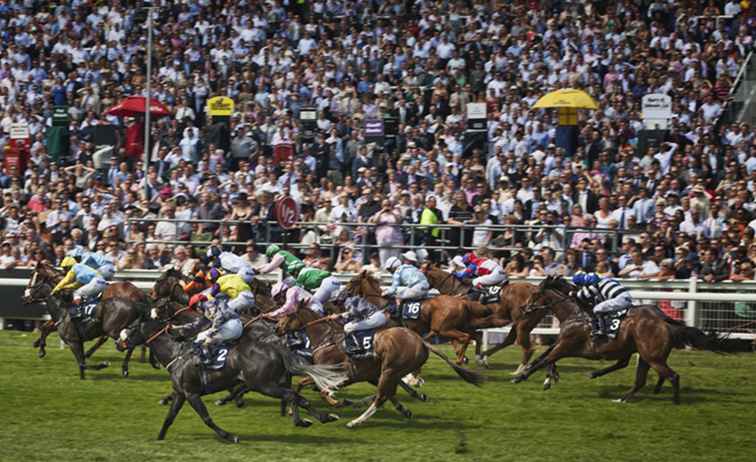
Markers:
(135, 105)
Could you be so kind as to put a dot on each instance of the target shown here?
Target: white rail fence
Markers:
(723, 307)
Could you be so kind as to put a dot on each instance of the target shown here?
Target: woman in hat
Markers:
(387, 233)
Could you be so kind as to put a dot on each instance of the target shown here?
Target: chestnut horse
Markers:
(645, 330)
(445, 316)
(121, 304)
(510, 309)
(398, 351)
(326, 338)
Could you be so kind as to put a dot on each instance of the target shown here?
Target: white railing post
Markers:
(690, 312)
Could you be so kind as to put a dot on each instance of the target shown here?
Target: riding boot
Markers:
(597, 326)
(352, 348)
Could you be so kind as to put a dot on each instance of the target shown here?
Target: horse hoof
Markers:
(657, 390)
(351, 424)
(304, 423)
(232, 439)
(240, 404)
(125, 373)
(220, 402)
(546, 384)
(422, 397)
(163, 402)
(41, 354)
(330, 418)
(345, 402)
(619, 400)
(407, 414)
(518, 379)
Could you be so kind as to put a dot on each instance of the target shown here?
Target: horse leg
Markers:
(125, 365)
(661, 367)
(641, 374)
(462, 338)
(199, 407)
(178, 402)
(659, 385)
(419, 395)
(234, 393)
(386, 389)
(143, 354)
(166, 399)
(96, 346)
(508, 340)
(153, 360)
(481, 360)
(44, 330)
(400, 407)
(621, 364)
(523, 339)
(549, 357)
(78, 351)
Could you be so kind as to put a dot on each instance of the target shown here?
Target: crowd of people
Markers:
(679, 207)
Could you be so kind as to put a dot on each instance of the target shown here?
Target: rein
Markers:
(157, 334)
(530, 307)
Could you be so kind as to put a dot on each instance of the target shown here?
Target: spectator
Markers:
(387, 234)
(638, 268)
(346, 263)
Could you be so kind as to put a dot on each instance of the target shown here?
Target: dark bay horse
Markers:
(258, 366)
(445, 316)
(398, 352)
(121, 304)
(645, 330)
(510, 309)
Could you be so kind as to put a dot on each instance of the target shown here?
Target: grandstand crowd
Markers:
(679, 207)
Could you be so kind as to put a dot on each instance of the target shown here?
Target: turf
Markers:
(49, 414)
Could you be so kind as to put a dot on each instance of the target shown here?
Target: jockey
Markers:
(407, 282)
(294, 295)
(281, 259)
(486, 272)
(88, 283)
(361, 315)
(606, 294)
(201, 280)
(226, 325)
(104, 265)
(235, 287)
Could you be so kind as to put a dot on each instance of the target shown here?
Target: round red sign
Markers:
(287, 212)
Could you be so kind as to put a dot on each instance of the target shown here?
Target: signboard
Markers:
(308, 114)
(220, 106)
(60, 116)
(287, 212)
(656, 110)
(19, 131)
(476, 111)
(476, 116)
(373, 128)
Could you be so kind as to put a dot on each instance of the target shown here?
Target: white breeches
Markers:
(620, 302)
(91, 289)
(326, 290)
(494, 278)
(375, 320)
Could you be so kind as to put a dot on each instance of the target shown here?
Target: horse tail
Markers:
(683, 336)
(477, 310)
(326, 377)
(466, 374)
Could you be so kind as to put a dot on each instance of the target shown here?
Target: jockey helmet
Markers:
(392, 263)
(67, 263)
(271, 250)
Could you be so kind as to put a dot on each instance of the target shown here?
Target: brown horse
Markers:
(326, 338)
(445, 316)
(120, 305)
(645, 330)
(398, 352)
(510, 309)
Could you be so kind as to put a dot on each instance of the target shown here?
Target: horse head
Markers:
(169, 285)
(44, 277)
(295, 321)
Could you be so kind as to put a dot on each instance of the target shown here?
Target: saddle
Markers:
(85, 311)
(359, 344)
(410, 310)
(611, 322)
(214, 357)
(487, 295)
(299, 343)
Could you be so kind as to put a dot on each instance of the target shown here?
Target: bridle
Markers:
(530, 306)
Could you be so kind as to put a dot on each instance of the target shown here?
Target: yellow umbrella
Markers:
(566, 98)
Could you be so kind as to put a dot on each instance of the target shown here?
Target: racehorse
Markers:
(169, 285)
(262, 367)
(120, 305)
(512, 300)
(398, 351)
(645, 330)
(445, 316)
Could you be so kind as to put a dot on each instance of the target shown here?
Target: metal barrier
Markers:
(722, 307)
(413, 234)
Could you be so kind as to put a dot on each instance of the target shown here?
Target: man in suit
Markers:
(585, 197)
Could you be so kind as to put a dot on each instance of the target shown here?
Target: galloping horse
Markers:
(258, 366)
(510, 309)
(645, 330)
(120, 305)
(444, 315)
(398, 352)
